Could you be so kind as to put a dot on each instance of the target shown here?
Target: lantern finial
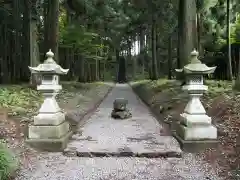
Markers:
(194, 57)
(50, 54)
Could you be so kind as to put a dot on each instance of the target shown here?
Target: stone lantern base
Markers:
(195, 132)
(49, 132)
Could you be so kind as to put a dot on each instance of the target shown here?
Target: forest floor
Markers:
(21, 103)
(167, 99)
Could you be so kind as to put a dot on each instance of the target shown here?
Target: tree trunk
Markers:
(170, 57)
(199, 32)
(52, 26)
(4, 59)
(154, 73)
(186, 36)
(117, 54)
(129, 59)
(238, 75)
(26, 39)
(230, 75)
(17, 37)
(180, 32)
(142, 39)
(158, 54)
(34, 52)
(82, 71)
(35, 79)
(104, 69)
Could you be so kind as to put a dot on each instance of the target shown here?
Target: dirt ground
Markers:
(221, 103)
(76, 99)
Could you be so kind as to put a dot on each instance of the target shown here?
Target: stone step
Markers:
(162, 146)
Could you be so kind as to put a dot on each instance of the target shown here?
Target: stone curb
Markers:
(90, 110)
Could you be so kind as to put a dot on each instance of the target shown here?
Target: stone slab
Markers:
(165, 146)
(49, 118)
(139, 135)
(195, 146)
(54, 145)
(42, 132)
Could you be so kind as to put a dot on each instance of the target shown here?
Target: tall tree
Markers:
(154, 74)
(230, 74)
(187, 26)
(51, 26)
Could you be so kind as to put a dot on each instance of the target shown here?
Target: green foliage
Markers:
(19, 99)
(213, 13)
(83, 39)
(8, 163)
(235, 36)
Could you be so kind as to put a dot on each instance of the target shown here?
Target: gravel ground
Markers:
(56, 166)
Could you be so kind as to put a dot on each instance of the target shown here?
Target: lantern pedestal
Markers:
(196, 127)
(49, 131)
(50, 144)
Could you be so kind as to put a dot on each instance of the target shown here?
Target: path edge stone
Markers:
(91, 109)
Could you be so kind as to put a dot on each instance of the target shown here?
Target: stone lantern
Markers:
(49, 129)
(195, 125)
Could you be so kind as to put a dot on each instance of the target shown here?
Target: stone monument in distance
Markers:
(195, 125)
(49, 131)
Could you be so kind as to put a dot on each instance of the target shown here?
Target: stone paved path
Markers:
(137, 136)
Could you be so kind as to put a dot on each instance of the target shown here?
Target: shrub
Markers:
(8, 162)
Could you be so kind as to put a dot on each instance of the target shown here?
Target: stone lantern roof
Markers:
(49, 66)
(196, 66)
